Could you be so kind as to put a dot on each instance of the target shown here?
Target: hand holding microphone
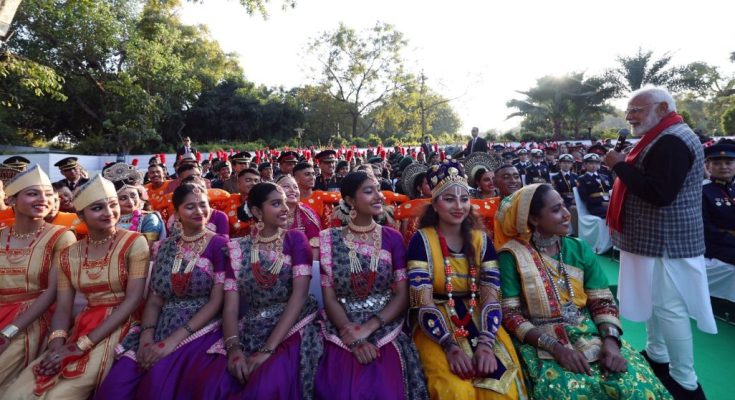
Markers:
(615, 155)
(622, 135)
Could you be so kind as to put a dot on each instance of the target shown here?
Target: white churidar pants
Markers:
(665, 292)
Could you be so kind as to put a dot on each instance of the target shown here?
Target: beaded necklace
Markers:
(180, 281)
(460, 323)
(267, 278)
(94, 268)
(362, 281)
(16, 256)
(568, 310)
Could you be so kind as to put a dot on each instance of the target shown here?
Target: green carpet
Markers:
(712, 353)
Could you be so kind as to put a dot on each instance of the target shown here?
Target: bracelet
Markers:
(232, 346)
(266, 350)
(145, 328)
(355, 343)
(547, 342)
(230, 338)
(10, 331)
(448, 344)
(59, 333)
(85, 344)
(380, 319)
(189, 328)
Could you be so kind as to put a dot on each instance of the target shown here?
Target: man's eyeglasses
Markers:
(638, 110)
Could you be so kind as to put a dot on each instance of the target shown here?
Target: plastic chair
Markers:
(592, 229)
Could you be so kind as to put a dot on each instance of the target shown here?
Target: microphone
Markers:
(622, 135)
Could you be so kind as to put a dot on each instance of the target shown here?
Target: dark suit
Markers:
(426, 149)
(182, 150)
(564, 184)
(479, 145)
(73, 186)
(594, 190)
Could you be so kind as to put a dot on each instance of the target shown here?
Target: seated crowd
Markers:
(437, 279)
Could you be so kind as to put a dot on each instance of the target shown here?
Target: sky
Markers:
(479, 52)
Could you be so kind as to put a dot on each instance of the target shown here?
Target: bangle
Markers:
(59, 333)
(85, 344)
(448, 344)
(266, 350)
(380, 319)
(145, 328)
(232, 346)
(230, 338)
(189, 328)
(354, 343)
(547, 342)
(612, 331)
(10, 331)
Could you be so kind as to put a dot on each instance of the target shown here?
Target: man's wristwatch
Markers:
(612, 331)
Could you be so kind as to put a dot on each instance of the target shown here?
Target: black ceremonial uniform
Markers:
(718, 215)
(564, 183)
(537, 173)
(594, 190)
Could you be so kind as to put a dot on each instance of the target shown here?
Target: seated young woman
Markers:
(109, 268)
(455, 285)
(557, 303)
(270, 348)
(365, 289)
(182, 310)
(31, 250)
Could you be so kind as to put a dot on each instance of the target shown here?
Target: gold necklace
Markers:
(267, 239)
(96, 243)
(179, 282)
(193, 238)
(361, 228)
(269, 279)
(29, 235)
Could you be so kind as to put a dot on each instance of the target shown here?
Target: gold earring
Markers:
(353, 214)
(259, 225)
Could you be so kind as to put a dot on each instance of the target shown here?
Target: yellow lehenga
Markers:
(23, 277)
(103, 283)
(426, 272)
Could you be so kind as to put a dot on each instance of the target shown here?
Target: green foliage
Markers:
(129, 69)
(20, 77)
(640, 69)
(359, 69)
(414, 111)
(687, 118)
(728, 122)
(570, 102)
(360, 142)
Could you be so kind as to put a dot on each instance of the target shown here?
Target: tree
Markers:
(414, 111)
(570, 101)
(642, 69)
(728, 122)
(360, 69)
(129, 69)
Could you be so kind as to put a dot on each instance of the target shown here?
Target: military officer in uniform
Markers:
(594, 188)
(239, 162)
(566, 180)
(18, 163)
(718, 203)
(522, 162)
(72, 173)
(286, 161)
(327, 180)
(538, 171)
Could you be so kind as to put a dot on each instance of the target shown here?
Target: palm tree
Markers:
(569, 101)
(642, 69)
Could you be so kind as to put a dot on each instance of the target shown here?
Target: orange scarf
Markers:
(615, 208)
